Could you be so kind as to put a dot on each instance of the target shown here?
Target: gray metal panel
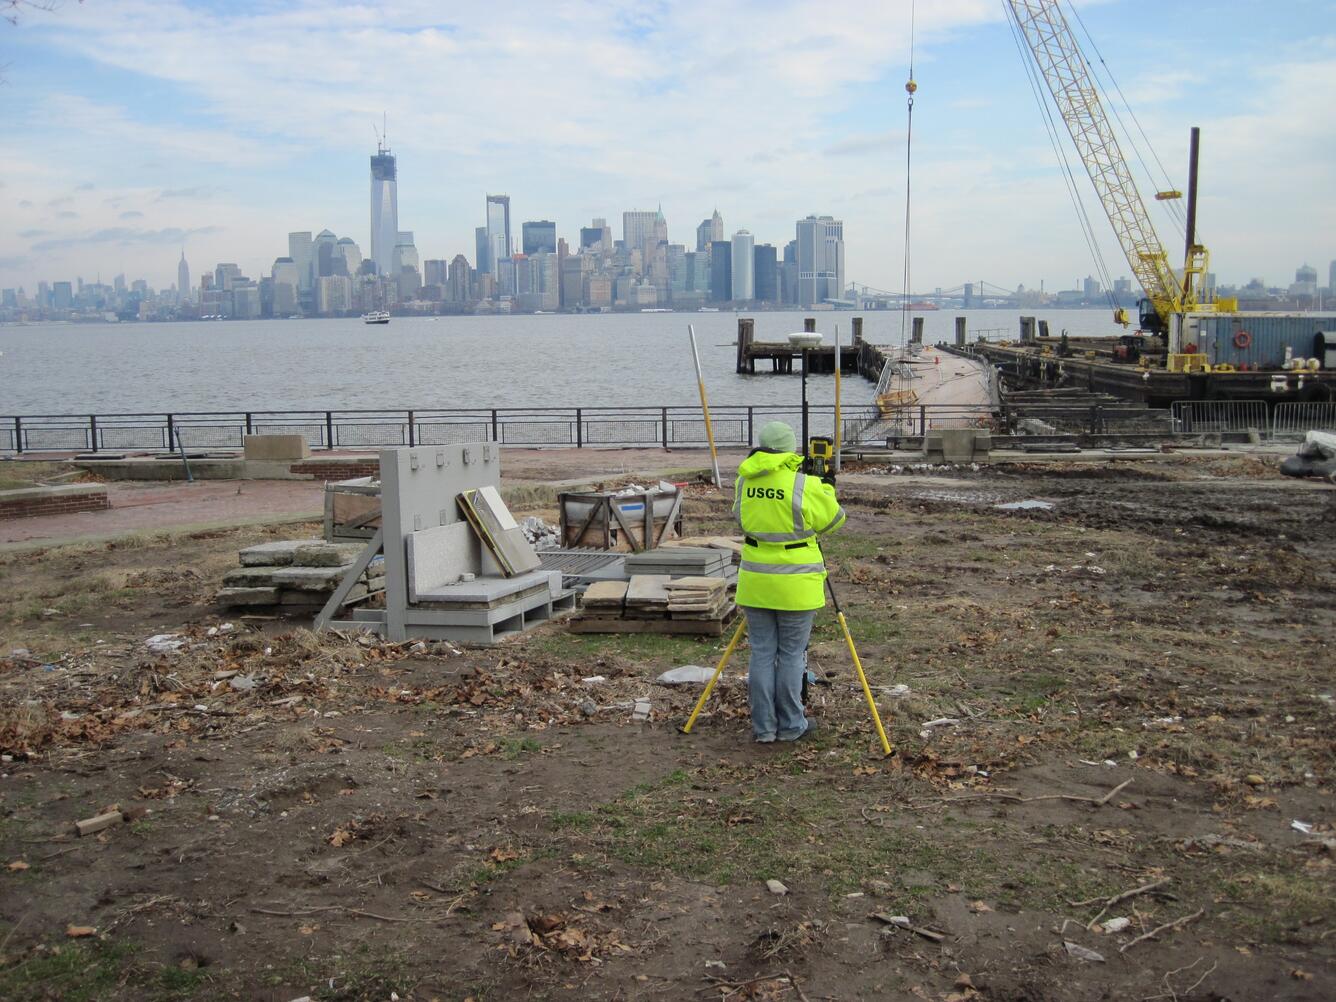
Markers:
(1270, 335)
(418, 489)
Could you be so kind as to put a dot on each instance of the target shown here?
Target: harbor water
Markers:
(442, 362)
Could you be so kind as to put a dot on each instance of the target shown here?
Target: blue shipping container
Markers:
(1268, 337)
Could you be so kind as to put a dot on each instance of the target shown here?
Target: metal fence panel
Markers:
(451, 432)
(1299, 418)
(559, 431)
(1191, 417)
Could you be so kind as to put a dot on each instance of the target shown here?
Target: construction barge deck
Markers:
(1255, 371)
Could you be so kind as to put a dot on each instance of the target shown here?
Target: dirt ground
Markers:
(1119, 707)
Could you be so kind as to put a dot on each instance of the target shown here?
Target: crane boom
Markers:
(1068, 76)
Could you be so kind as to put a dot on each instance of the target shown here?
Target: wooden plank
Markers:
(702, 628)
(89, 826)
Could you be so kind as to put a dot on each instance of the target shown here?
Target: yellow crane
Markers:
(1064, 68)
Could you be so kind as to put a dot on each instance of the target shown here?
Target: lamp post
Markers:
(805, 341)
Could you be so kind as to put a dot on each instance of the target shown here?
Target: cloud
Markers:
(67, 215)
(200, 191)
(124, 237)
(86, 186)
(25, 204)
(32, 234)
(867, 142)
(15, 263)
(131, 214)
(63, 200)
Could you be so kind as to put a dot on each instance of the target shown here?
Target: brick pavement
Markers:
(148, 507)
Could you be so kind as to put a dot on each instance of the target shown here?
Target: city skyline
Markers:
(232, 154)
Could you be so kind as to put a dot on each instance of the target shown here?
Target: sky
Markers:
(134, 129)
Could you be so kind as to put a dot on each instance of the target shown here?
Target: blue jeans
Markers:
(775, 675)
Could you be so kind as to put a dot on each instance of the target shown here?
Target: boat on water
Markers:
(376, 317)
(708, 309)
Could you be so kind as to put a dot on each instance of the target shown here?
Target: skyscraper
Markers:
(384, 207)
(481, 257)
(767, 274)
(744, 266)
(302, 253)
(709, 231)
(721, 271)
(499, 246)
(183, 279)
(820, 259)
(539, 235)
(638, 232)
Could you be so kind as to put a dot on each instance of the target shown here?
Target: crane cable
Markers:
(910, 88)
(1037, 89)
(1175, 209)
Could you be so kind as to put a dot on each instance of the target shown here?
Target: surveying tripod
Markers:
(817, 463)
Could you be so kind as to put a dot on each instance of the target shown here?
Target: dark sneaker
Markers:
(811, 726)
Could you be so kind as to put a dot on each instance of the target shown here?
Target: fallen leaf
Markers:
(80, 931)
(17, 865)
(340, 837)
(500, 855)
(979, 907)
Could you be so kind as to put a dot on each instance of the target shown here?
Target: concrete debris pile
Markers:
(656, 603)
(297, 576)
(540, 534)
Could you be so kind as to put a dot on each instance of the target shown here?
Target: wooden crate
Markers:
(352, 510)
(602, 520)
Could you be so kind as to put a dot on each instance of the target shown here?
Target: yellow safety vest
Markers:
(781, 512)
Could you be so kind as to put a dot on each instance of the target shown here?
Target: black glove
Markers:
(828, 478)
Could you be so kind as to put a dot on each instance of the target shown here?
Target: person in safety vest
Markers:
(782, 577)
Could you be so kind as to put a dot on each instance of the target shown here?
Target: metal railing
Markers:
(581, 427)
(577, 427)
(1296, 419)
(1195, 417)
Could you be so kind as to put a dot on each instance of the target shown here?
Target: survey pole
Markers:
(837, 435)
(705, 407)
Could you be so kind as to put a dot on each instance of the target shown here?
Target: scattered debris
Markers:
(1025, 506)
(1115, 924)
(685, 675)
(165, 643)
(641, 711)
(90, 826)
(775, 887)
(1082, 952)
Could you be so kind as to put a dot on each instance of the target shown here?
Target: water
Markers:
(425, 363)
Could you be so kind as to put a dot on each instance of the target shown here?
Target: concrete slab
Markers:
(248, 596)
(276, 447)
(326, 554)
(310, 578)
(276, 554)
(492, 589)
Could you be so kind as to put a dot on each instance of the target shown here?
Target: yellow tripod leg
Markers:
(718, 670)
(867, 690)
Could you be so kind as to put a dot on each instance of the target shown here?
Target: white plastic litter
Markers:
(1116, 924)
(685, 675)
(1303, 827)
(1025, 506)
(1082, 952)
(165, 643)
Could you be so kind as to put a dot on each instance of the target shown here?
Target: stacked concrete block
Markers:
(298, 575)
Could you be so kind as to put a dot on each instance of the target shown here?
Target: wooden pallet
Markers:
(686, 627)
